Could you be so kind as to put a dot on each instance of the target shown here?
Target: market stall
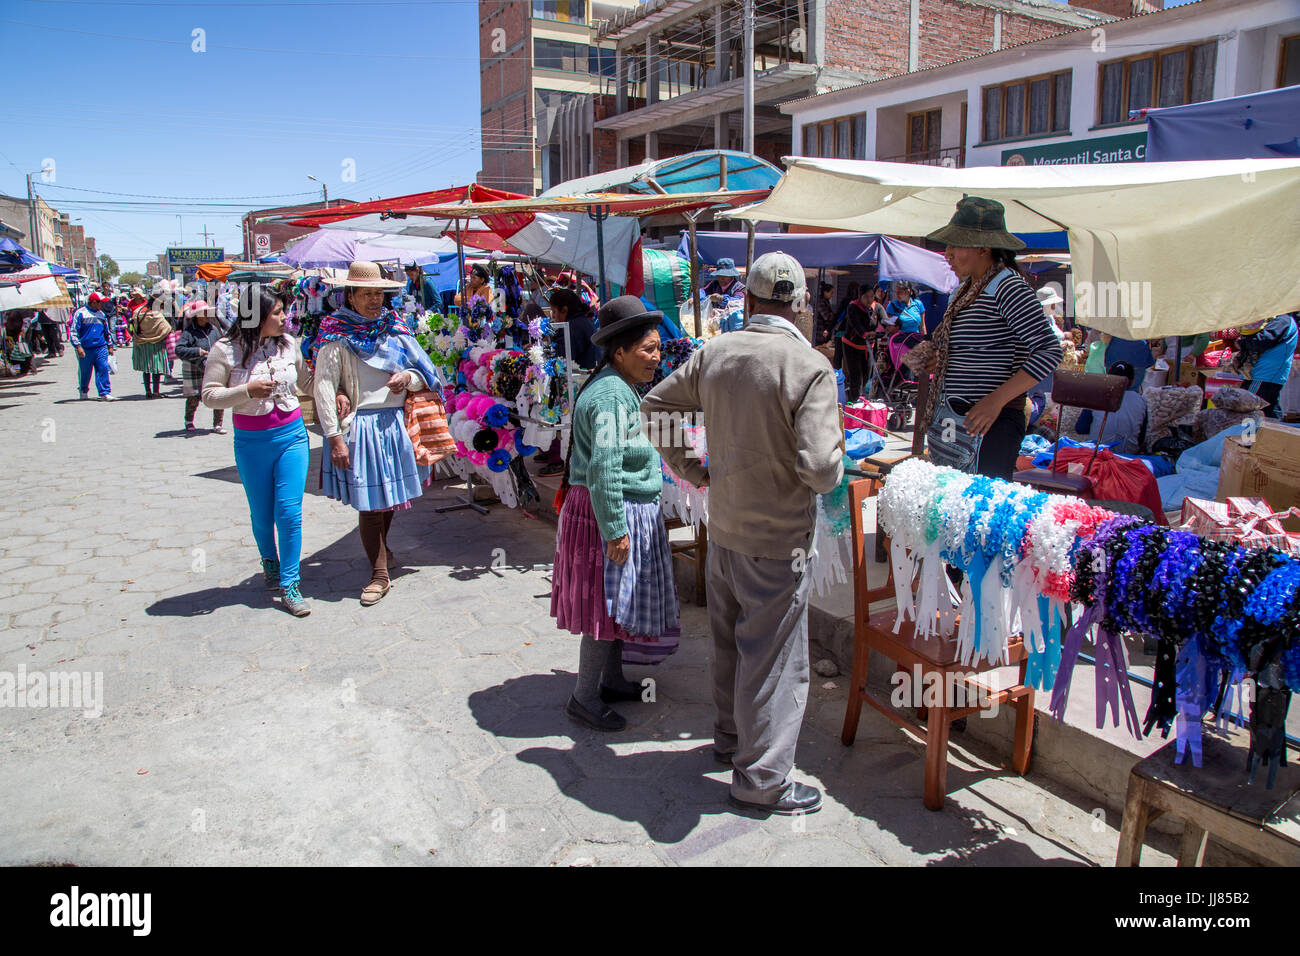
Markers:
(1221, 611)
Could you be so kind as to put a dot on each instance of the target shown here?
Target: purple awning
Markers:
(896, 259)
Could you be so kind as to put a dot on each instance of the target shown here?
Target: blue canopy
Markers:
(701, 171)
(1256, 126)
(17, 255)
(897, 259)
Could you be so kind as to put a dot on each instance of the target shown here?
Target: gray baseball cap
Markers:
(775, 276)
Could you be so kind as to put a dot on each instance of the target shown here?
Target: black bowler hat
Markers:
(619, 315)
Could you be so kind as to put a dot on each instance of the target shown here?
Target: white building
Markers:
(1063, 99)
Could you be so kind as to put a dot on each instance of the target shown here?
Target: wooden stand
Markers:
(1213, 798)
(933, 656)
(695, 551)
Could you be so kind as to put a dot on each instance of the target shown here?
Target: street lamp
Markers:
(324, 189)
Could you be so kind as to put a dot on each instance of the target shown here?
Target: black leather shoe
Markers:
(801, 799)
(607, 720)
(720, 757)
(612, 695)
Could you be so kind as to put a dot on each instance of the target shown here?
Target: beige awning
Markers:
(1156, 248)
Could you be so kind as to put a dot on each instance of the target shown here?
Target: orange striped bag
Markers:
(426, 423)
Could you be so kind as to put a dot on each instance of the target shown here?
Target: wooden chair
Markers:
(695, 551)
(932, 655)
(1097, 393)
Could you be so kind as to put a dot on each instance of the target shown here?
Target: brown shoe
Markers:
(374, 592)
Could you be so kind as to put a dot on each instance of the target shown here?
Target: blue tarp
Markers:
(16, 254)
(1044, 241)
(897, 259)
(1256, 126)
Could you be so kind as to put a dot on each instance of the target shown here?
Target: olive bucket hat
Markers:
(978, 223)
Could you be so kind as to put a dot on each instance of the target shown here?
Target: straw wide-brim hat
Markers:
(365, 275)
(978, 223)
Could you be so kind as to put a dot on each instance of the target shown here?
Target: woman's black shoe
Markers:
(607, 720)
(612, 695)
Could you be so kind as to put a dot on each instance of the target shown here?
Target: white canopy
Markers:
(1158, 248)
(33, 288)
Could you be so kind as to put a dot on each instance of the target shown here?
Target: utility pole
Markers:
(205, 233)
(33, 237)
(749, 76)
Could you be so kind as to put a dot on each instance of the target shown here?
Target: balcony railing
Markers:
(953, 157)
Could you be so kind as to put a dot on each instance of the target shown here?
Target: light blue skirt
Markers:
(384, 475)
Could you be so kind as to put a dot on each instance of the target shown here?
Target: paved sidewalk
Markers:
(427, 729)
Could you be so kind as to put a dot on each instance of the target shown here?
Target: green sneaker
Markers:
(271, 573)
(294, 602)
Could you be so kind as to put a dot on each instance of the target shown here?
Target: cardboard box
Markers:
(1215, 379)
(1248, 471)
(1280, 442)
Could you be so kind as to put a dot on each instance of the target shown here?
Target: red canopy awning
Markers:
(455, 194)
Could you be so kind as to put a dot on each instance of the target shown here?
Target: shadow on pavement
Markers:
(665, 791)
(229, 473)
(251, 592)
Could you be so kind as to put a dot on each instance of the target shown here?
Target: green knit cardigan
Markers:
(610, 455)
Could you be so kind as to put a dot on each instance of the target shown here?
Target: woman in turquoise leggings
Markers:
(256, 371)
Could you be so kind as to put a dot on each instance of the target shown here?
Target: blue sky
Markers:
(127, 106)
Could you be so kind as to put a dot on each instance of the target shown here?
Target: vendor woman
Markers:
(994, 344)
(613, 578)
(149, 339)
(369, 356)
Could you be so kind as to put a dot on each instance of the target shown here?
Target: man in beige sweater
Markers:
(774, 441)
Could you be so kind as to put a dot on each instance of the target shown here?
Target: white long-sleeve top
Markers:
(226, 378)
(339, 370)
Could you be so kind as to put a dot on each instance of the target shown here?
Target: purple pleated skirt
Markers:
(578, 586)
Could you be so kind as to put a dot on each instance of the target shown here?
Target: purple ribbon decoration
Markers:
(1070, 648)
(1113, 689)
(1193, 700)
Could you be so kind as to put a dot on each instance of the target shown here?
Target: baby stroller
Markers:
(892, 382)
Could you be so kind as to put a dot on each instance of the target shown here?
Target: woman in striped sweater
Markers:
(994, 344)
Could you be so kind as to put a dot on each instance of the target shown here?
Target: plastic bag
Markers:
(112, 364)
(1116, 479)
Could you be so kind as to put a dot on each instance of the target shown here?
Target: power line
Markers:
(242, 49)
(200, 199)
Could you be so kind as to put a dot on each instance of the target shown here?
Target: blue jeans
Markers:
(273, 468)
(96, 357)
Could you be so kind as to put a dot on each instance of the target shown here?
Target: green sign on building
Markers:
(192, 255)
(1125, 148)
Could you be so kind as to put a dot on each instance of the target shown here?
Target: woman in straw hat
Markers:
(151, 327)
(256, 371)
(994, 344)
(613, 580)
(368, 355)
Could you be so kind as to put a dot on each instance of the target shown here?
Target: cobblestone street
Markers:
(428, 729)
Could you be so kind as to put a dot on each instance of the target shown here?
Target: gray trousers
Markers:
(758, 618)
